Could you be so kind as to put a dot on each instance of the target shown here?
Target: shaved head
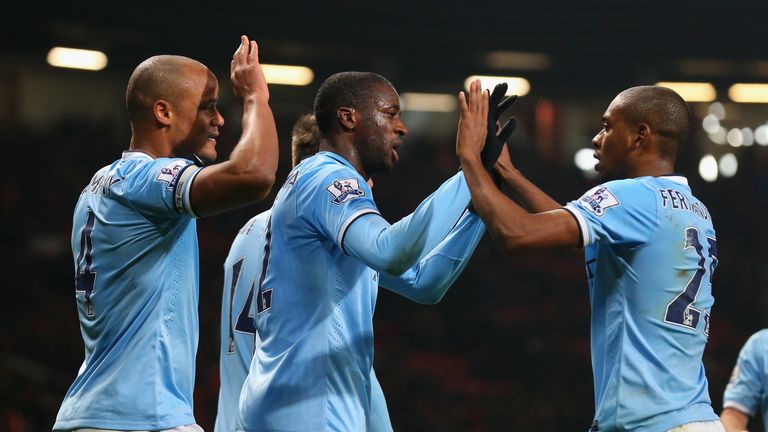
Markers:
(660, 108)
(158, 77)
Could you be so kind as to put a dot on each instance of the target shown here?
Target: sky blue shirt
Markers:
(747, 390)
(134, 243)
(314, 308)
(242, 270)
(650, 250)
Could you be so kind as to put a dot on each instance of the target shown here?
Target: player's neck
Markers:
(154, 146)
(348, 151)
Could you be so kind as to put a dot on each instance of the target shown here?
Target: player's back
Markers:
(651, 299)
(314, 309)
(136, 288)
(242, 271)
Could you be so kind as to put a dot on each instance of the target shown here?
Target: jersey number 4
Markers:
(85, 278)
(680, 310)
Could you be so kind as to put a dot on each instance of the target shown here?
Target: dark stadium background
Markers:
(508, 347)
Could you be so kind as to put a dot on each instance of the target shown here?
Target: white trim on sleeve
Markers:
(183, 188)
(348, 222)
(585, 240)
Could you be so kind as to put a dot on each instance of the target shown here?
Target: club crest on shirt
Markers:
(344, 190)
(168, 173)
(598, 200)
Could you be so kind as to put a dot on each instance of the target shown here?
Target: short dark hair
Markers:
(344, 89)
(155, 78)
(665, 111)
(305, 138)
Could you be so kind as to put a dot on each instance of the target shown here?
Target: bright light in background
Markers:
(77, 58)
(692, 91)
(708, 168)
(728, 165)
(585, 160)
(717, 109)
(710, 124)
(288, 75)
(517, 60)
(718, 136)
(761, 135)
(735, 138)
(432, 102)
(517, 85)
(747, 137)
(748, 93)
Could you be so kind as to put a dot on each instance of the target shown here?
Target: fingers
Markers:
(507, 130)
(498, 92)
(506, 103)
(463, 104)
(253, 53)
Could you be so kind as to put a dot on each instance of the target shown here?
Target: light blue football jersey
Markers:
(242, 270)
(650, 250)
(747, 390)
(134, 243)
(314, 307)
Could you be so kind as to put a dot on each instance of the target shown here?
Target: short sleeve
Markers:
(158, 188)
(621, 212)
(746, 386)
(336, 198)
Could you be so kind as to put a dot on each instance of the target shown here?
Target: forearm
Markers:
(256, 154)
(395, 248)
(515, 228)
(429, 280)
(525, 192)
(734, 420)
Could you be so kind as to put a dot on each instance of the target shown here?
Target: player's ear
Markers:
(642, 135)
(346, 118)
(162, 112)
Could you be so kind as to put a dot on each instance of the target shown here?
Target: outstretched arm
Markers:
(249, 174)
(515, 228)
(393, 249)
(429, 280)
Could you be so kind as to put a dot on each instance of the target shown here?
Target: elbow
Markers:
(258, 184)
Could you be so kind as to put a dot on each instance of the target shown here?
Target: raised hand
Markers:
(471, 135)
(497, 137)
(246, 74)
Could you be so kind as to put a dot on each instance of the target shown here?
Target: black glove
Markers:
(494, 142)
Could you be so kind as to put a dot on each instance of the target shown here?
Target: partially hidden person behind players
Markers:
(747, 391)
(134, 241)
(326, 245)
(650, 251)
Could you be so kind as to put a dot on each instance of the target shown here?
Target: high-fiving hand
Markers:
(496, 138)
(246, 74)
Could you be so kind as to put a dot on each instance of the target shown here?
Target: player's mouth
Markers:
(212, 137)
(395, 156)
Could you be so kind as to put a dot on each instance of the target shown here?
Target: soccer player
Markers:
(134, 241)
(326, 246)
(242, 268)
(747, 391)
(650, 250)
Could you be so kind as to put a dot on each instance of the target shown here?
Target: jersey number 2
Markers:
(680, 310)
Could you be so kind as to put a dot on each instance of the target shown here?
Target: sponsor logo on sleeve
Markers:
(169, 174)
(344, 190)
(598, 200)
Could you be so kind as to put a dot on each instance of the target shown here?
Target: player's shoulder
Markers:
(759, 338)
